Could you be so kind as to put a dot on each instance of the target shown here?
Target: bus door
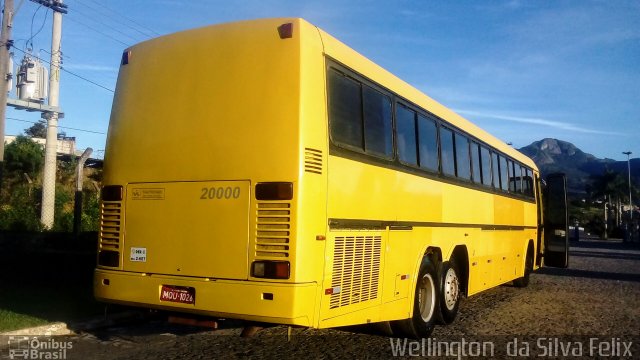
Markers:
(556, 230)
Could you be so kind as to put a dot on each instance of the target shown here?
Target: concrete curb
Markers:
(53, 329)
(61, 328)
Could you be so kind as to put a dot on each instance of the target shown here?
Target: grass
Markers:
(10, 320)
(35, 303)
(42, 284)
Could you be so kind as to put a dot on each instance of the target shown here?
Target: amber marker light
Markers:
(126, 56)
(285, 31)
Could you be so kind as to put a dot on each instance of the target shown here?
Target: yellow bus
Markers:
(263, 170)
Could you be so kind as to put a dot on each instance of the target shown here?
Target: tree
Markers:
(37, 130)
(610, 186)
(23, 156)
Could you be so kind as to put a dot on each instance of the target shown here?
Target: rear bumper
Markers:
(292, 304)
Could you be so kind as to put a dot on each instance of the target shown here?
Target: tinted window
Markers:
(463, 164)
(512, 180)
(528, 183)
(495, 163)
(428, 143)
(518, 176)
(446, 148)
(377, 123)
(485, 157)
(406, 130)
(345, 113)
(475, 163)
(504, 174)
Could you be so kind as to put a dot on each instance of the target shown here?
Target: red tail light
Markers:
(271, 269)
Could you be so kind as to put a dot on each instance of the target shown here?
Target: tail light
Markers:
(271, 269)
(274, 191)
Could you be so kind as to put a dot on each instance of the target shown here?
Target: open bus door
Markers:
(556, 222)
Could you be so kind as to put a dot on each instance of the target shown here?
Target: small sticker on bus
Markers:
(147, 194)
(138, 254)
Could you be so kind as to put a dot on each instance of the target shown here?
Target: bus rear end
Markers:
(203, 175)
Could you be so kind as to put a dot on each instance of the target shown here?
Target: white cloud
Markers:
(537, 121)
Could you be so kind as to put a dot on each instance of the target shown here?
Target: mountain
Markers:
(552, 155)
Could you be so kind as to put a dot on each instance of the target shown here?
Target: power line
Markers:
(99, 32)
(127, 18)
(118, 18)
(115, 29)
(41, 26)
(61, 127)
(68, 72)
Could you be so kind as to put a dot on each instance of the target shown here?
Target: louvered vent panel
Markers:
(313, 161)
(110, 225)
(273, 228)
(356, 269)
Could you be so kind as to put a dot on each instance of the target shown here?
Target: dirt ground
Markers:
(591, 309)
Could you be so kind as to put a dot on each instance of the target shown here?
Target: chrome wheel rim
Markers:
(426, 297)
(451, 289)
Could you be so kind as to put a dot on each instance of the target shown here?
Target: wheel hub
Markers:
(451, 289)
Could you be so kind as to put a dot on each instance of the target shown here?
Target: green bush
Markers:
(21, 211)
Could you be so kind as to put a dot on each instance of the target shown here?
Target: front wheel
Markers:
(528, 268)
(425, 304)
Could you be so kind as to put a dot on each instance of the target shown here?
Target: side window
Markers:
(475, 163)
(463, 163)
(518, 176)
(512, 177)
(446, 149)
(369, 130)
(485, 157)
(406, 132)
(495, 162)
(428, 143)
(345, 112)
(377, 123)
(504, 174)
(527, 183)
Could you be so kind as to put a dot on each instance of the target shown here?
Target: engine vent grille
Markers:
(313, 161)
(356, 269)
(273, 230)
(110, 237)
(110, 225)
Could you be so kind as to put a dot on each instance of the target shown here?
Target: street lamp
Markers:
(628, 153)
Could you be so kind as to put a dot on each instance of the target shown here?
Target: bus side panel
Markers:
(353, 277)
(312, 238)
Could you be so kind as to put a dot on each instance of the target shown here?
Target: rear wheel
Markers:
(449, 292)
(425, 304)
(528, 268)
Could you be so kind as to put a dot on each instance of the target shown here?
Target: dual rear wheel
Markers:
(436, 300)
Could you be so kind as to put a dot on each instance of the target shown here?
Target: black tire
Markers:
(523, 281)
(425, 304)
(450, 291)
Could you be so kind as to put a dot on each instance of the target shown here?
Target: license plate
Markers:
(179, 294)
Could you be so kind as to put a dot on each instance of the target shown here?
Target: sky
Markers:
(522, 70)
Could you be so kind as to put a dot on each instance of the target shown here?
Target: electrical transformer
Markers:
(32, 81)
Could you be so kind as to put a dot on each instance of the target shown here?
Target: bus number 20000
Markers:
(220, 193)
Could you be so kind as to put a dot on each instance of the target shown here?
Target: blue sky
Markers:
(523, 70)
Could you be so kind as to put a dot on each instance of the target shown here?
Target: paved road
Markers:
(590, 309)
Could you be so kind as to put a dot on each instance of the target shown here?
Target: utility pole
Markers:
(628, 153)
(5, 44)
(49, 176)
